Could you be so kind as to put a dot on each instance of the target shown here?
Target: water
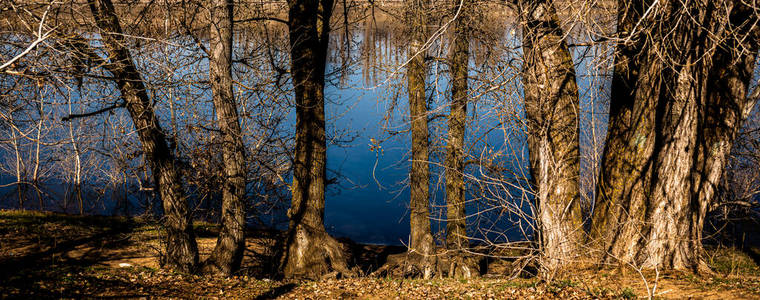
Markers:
(366, 102)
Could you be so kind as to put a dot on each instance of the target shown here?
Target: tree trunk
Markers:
(311, 252)
(551, 107)
(456, 217)
(654, 186)
(631, 119)
(228, 253)
(420, 259)
(421, 238)
(727, 106)
(181, 249)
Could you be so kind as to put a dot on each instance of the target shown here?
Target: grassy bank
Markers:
(46, 255)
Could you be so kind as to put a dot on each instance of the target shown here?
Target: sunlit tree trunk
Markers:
(456, 217)
(228, 253)
(631, 119)
(19, 179)
(552, 112)
(420, 259)
(181, 248)
(728, 104)
(660, 156)
(77, 163)
(311, 252)
(37, 143)
(421, 244)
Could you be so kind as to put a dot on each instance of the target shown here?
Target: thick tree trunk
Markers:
(181, 249)
(651, 202)
(456, 217)
(727, 106)
(551, 107)
(228, 253)
(629, 136)
(311, 252)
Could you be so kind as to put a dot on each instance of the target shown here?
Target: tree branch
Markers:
(99, 111)
(262, 19)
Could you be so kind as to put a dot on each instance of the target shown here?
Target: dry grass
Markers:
(44, 255)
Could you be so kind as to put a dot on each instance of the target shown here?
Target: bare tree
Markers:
(228, 253)
(552, 112)
(656, 179)
(311, 252)
(181, 248)
(456, 217)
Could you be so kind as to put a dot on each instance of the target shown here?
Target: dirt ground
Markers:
(44, 255)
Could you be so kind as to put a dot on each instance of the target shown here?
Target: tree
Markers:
(456, 217)
(181, 248)
(420, 259)
(421, 247)
(228, 253)
(311, 252)
(551, 109)
(676, 65)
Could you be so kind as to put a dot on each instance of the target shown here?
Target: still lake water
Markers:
(367, 102)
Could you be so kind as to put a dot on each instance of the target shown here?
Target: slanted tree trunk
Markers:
(728, 104)
(628, 143)
(181, 248)
(311, 252)
(645, 163)
(551, 107)
(456, 217)
(653, 197)
(420, 259)
(228, 253)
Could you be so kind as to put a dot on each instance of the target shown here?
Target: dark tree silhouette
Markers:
(181, 248)
(311, 252)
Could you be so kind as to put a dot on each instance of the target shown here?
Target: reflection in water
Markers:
(368, 151)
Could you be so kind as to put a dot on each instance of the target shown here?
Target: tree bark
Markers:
(311, 252)
(456, 216)
(181, 248)
(421, 238)
(727, 106)
(420, 259)
(655, 187)
(551, 108)
(228, 253)
(631, 119)
(456, 227)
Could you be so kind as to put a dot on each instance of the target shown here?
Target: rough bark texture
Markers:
(421, 238)
(311, 252)
(630, 120)
(728, 104)
(181, 249)
(456, 222)
(420, 259)
(649, 212)
(228, 253)
(551, 107)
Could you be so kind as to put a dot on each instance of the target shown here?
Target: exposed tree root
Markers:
(409, 264)
(416, 265)
(313, 254)
(460, 265)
